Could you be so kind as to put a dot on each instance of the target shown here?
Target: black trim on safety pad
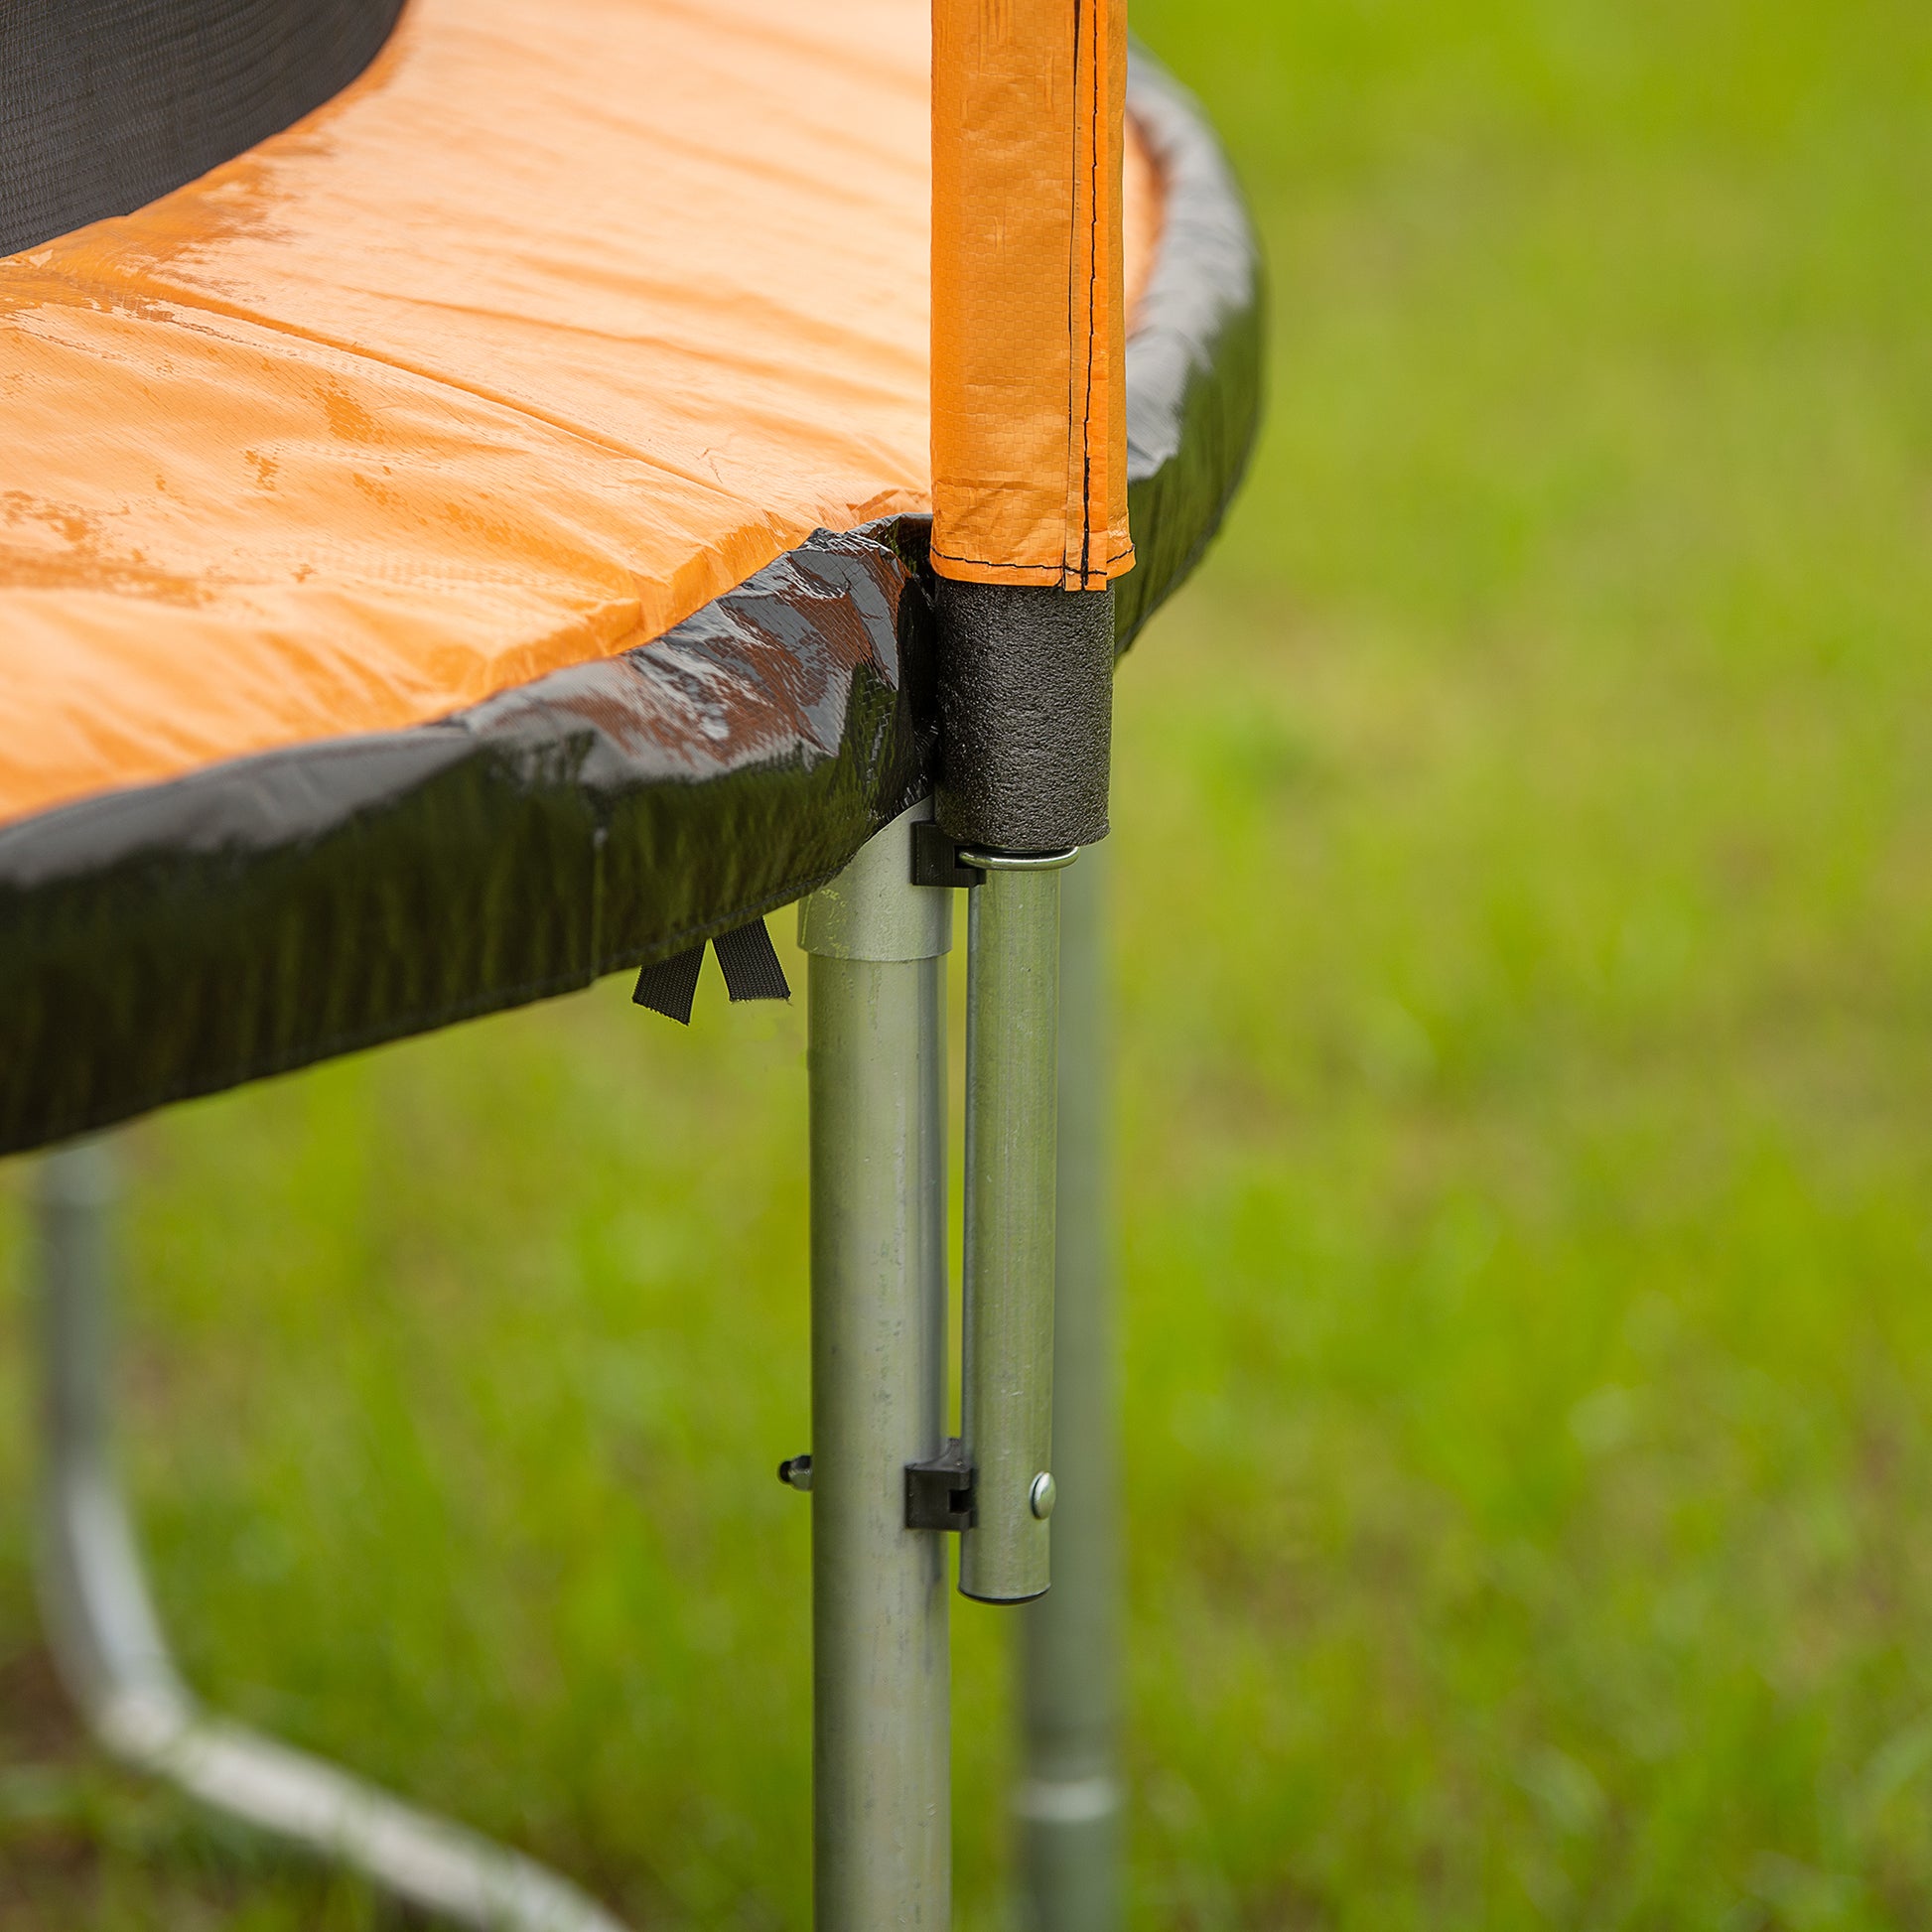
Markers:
(1195, 356)
(279, 910)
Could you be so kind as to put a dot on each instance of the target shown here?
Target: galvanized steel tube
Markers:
(1068, 1801)
(1006, 1407)
(881, 1828)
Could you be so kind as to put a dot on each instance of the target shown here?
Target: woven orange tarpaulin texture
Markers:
(1029, 331)
(562, 321)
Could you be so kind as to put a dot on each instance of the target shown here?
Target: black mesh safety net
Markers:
(108, 104)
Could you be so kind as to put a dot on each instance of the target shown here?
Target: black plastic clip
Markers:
(935, 858)
(939, 1493)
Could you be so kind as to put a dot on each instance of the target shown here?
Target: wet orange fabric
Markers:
(566, 318)
(1028, 333)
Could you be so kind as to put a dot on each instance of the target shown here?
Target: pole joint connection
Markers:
(940, 1493)
(940, 860)
(936, 860)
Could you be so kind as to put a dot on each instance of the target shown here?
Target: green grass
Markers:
(1524, 835)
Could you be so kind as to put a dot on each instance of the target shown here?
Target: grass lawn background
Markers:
(1524, 851)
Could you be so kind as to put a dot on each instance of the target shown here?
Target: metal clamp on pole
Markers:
(939, 1490)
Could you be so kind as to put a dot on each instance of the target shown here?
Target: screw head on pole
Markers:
(1042, 1496)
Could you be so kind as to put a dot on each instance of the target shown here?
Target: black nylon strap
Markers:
(671, 984)
(750, 963)
(746, 958)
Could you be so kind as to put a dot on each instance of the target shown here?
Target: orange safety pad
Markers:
(563, 319)
(1029, 329)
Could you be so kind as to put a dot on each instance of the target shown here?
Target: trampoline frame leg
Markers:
(113, 1657)
(880, 1671)
(1067, 1804)
(881, 1836)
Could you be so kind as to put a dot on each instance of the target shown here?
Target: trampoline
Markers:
(492, 495)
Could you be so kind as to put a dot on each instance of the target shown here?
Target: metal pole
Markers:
(1068, 1802)
(882, 1826)
(114, 1655)
(100, 1620)
(1007, 1410)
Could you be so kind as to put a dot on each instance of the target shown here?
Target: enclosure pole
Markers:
(881, 1828)
(1007, 1298)
(1068, 1801)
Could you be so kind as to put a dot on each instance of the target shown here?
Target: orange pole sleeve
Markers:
(1029, 323)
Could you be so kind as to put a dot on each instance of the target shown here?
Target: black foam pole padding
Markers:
(750, 963)
(1025, 711)
(669, 986)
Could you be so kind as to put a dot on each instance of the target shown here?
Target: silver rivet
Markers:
(1042, 1496)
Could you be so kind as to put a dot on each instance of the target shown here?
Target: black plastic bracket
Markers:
(935, 858)
(939, 1493)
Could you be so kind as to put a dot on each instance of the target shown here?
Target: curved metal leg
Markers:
(113, 1657)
